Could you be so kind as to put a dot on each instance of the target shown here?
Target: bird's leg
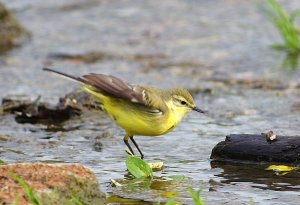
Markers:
(136, 145)
(127, 143)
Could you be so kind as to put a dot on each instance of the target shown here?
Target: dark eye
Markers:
(183, 103)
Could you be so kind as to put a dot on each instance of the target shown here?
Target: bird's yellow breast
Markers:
(137, 119)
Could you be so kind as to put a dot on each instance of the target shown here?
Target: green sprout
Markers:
(75, 201)
(285, 24)
(29, 191)
(196, 196)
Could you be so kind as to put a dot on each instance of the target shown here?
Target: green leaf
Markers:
(2, 162)
(177, 177)
(138, 167)
(171, 202)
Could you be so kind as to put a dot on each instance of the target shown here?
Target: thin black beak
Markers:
(198, 110)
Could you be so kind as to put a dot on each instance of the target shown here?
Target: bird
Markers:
(141, 110)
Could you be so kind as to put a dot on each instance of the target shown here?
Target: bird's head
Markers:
(183, 101)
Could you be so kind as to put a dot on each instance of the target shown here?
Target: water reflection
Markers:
(291, 61)
(157, 189)
(234, 173)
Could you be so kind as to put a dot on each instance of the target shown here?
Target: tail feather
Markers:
(78, 79)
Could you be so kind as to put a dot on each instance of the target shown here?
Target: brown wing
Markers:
(150, 97)
(113, 86)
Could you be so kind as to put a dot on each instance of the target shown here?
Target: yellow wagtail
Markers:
(138, 109)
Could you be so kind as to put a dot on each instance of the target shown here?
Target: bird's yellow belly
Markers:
(140, 127)
(136, 119)
(138, 122)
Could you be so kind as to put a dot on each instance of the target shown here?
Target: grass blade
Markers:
(196, 196)
(29, 191)
(285, 25)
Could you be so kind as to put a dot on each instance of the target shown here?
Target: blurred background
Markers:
(221, 50)
(144, 42)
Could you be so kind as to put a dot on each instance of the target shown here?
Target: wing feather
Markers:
(113, 86)
(150, 97)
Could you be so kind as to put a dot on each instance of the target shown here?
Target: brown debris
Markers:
(38, 112)
(91, 57)
(147, 60)
(296, 107)
(270, 136)
(264, 84)
(95, 56)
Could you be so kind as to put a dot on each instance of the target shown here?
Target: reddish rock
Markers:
(67, 180)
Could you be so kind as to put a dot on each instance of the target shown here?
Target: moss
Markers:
(86, 191)
(50, 184)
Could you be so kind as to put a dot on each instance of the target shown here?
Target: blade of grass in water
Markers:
(285, 24)
(196, 196)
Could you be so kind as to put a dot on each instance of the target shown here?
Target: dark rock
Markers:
(256, 148)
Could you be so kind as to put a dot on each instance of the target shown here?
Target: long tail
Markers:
(86, 84)
(77, 79)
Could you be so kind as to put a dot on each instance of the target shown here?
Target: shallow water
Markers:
(183, 43)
